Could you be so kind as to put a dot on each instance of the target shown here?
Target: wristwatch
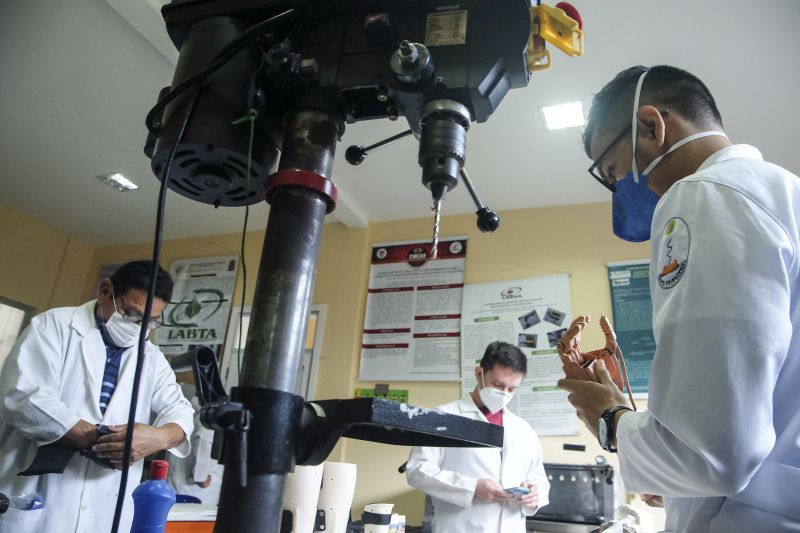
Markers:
(606, 431)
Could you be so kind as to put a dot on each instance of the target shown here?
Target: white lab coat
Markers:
(185, 473)
(51, 380)
(450, 475)
(721, 441)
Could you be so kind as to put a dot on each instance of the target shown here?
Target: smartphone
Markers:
(518, 491)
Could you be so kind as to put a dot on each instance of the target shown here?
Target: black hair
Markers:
(505, 354)
(664, 87)
(136, 275)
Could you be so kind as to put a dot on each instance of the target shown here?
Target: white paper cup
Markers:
(377, 517)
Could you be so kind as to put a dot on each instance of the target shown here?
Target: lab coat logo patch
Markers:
(674, 254)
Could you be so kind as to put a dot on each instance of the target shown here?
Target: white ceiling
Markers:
(77, 79)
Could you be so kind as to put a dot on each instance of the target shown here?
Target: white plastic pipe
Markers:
(336, 496)
(301, 496)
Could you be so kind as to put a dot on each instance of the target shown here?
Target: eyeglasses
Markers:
(136, 318)
(592, 169)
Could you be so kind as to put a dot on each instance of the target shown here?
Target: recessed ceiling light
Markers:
(119, 182)
(564, 115)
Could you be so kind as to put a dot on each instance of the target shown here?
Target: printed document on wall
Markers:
(532, 314)
(412, 324)
(633, 320)
(200, 306)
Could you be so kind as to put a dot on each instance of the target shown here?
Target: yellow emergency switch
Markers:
(555, 26)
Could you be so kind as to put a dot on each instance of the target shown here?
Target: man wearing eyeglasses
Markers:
(65, 392)
(721, 438)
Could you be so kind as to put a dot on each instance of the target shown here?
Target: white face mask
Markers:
(121, 332)
(494, 399)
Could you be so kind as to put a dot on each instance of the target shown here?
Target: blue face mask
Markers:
(633, 203)
(632, 207)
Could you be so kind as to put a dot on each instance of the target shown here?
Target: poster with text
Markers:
(633, 320)
(201, 303)
(412, 324)
(532, 314)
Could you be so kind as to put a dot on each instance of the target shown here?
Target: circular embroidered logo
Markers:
(673, 255)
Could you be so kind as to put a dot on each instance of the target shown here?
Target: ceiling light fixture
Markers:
(564, 115)
(119, 182)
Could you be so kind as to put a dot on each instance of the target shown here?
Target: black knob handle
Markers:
(488, 221)
(355, 155)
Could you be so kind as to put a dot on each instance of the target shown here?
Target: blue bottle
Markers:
(24, 501)
(152, 501)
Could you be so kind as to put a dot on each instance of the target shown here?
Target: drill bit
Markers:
(437, 215)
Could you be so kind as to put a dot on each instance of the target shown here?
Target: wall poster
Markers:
(633, 320)
(533, 314)
(200, 306)
(412, 322)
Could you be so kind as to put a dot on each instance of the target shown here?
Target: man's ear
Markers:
(478, 371)
(650, 126)
(104, 290)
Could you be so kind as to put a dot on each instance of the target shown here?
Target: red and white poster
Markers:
(412, 325)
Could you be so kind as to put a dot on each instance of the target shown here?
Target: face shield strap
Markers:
(634, 124)
(680, 143)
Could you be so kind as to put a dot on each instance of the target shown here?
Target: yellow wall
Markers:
(530, 242)
(40, 266)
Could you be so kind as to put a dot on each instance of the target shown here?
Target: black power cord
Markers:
(244, 294)
(148, 308)
(250, 117)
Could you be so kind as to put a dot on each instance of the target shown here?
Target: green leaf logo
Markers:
(193, 307)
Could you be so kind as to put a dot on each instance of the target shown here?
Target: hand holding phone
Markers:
(490, 490)
(518, 491)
